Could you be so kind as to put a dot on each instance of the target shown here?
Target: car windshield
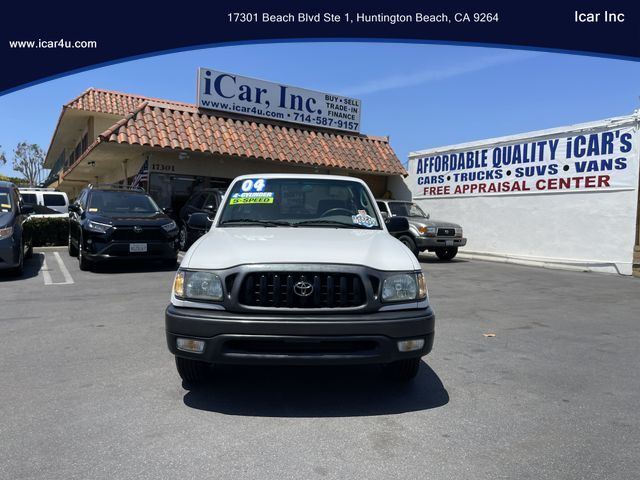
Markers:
(299, 202)
(5, 200)
(121, 203)
(406, 209)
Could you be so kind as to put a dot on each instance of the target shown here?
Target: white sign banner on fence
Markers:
(248, 96)
(605, 159)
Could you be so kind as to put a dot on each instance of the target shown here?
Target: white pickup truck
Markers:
(299, 270)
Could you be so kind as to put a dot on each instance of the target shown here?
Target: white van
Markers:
(45, 201)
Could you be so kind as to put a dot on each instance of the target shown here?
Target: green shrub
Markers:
(48, 231)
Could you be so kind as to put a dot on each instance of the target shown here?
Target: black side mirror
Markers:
(397, 224)
(26, 209)
(167, 211)
(199, 221)
(74, 207)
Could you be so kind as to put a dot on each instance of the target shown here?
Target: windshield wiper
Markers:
(311, 223)
(253, 221)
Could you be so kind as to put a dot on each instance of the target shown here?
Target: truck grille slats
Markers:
(302, 290)
(446, 232)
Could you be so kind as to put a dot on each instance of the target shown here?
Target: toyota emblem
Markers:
(137, 229)
(303, 288)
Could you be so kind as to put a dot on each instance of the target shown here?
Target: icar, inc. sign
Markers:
(248, 96)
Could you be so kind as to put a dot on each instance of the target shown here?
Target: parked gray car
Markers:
(424, 234)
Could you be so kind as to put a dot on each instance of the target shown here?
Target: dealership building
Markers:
(107, 137)
(563, 197)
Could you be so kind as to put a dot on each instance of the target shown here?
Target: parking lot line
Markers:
(68, 280)
(46, 272)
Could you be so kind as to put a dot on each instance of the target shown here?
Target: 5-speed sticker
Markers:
(251, 197)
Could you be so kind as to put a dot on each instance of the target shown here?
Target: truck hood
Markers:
(430, 222)
(228, 247)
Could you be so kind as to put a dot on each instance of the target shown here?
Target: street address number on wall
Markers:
(248, 96)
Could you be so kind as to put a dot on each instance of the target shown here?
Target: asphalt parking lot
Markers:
(89, 390)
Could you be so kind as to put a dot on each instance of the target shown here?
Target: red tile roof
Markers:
(114, 103)
(175, 125)
(158, 125)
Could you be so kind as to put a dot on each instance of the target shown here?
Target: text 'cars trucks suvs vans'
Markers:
(111, 222)
(424, 233)
(299, 270)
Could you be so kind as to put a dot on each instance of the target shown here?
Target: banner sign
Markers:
(567, 162)
(248, 96)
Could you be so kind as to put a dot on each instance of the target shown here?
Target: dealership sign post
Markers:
(248, 96)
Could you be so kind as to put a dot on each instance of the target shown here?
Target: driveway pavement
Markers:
(534, 375)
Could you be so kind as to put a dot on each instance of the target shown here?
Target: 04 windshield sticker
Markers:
(364, 219)
(251, 197)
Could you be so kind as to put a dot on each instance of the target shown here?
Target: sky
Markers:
(420, 95)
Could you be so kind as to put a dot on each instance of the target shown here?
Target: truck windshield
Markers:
(121, 203)
(406, 209)
(299, 202)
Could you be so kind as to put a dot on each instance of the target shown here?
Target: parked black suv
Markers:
(203, 201)
(15, 240)
(108, 222)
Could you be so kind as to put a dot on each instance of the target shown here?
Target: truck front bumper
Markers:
(431, 243)
(238, 338)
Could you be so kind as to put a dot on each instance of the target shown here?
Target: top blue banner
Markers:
(37, 43)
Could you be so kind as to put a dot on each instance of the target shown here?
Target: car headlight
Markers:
(170, 227)
(458, 231)
(404, 287)
(428, 231)
(6, 232)
(97, 227)
(195, 285)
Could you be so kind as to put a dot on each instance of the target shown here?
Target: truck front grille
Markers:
(446, 232)
(302, 290)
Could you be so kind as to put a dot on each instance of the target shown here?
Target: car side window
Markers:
(82, 199)
(30, 198)
(212, 199)
(54, 200)
(383, 207)
(198, 200)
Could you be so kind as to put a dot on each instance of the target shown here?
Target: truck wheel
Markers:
(191, 371)
(73, 251)
(410, 244)
(446, 253)
(404, 370)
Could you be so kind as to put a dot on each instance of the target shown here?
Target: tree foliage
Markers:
(3, 159)
(28, 159)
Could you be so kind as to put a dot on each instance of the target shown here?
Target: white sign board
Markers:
(248, 96)
(603, 160)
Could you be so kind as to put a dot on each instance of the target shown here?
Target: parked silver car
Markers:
(424, 234)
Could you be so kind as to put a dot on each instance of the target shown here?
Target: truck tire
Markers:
(191, 371)
(409, 243)
(404, 370)
(446, 253)
(183, 238)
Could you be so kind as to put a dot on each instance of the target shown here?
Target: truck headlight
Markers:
(458, 232)
(194, 285)
(6, 232)
(428, 231)
(404, 287)
(97, 227)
